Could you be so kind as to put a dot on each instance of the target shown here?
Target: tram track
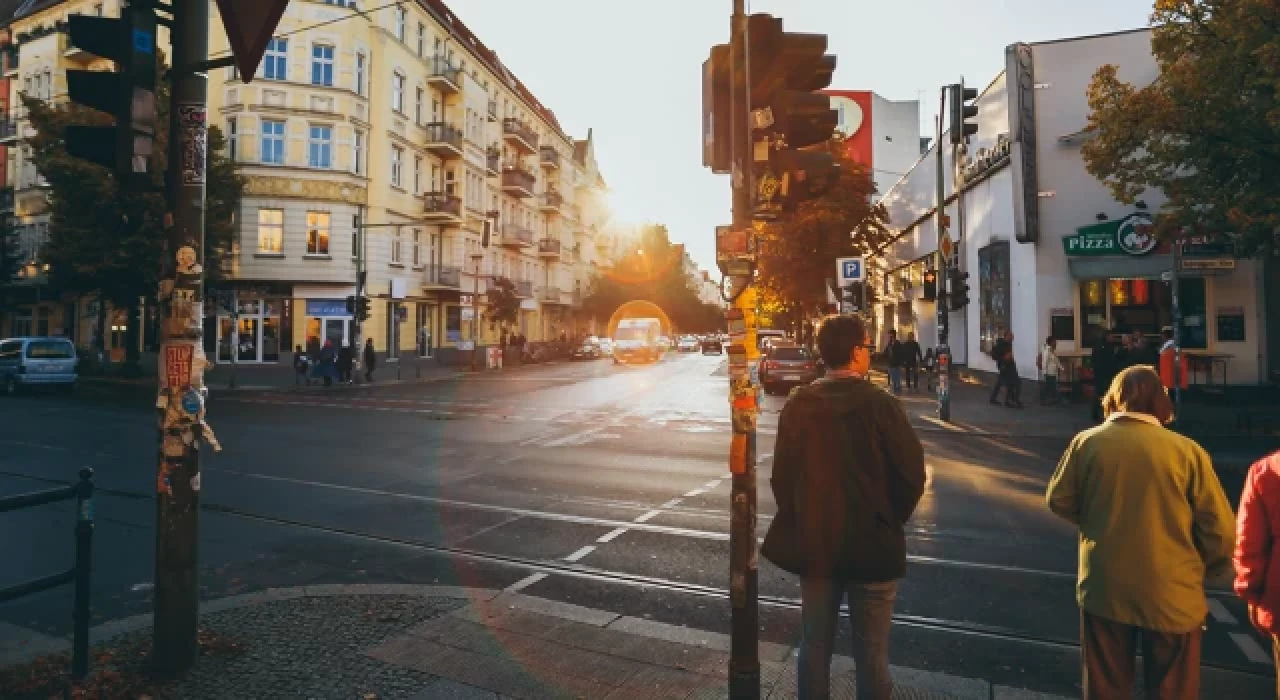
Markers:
(583, 572)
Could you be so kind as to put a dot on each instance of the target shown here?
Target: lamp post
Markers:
(475, 312)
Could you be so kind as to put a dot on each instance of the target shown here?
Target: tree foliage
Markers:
(10, 259)
(653, 272)
(1207, 130)
(797, 254)
(503, 304)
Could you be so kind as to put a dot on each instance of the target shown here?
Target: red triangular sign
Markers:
(249, 25)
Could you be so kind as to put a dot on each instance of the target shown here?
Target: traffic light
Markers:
(961, 111)
(351, 305)
(930, 285)
(717, 147)
(792, 123)
(362, 308)
(129, 94)
(958, 294)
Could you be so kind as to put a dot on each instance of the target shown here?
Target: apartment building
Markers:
(390, 141)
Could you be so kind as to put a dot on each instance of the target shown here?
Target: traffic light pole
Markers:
(181, 399)
(744, 654)
(944, 316)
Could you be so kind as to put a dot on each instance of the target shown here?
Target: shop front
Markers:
(327, 321)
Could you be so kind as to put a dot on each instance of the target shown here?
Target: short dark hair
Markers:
(837, 338)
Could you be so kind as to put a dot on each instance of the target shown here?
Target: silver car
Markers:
(27, 362)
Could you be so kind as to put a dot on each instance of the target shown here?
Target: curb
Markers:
(914, 679)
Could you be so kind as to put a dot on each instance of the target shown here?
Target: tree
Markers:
(503, 304)
(798, 253)
(1207, 131)
(653, 272)
(10, 260)
(105, 243)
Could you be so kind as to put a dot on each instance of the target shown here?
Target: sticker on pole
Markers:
(177, 364)
(849, 270)
(193, 121)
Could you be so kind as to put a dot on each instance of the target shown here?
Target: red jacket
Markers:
(1256, 557)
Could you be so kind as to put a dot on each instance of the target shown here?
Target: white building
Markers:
(881, 134)
(1047, 248)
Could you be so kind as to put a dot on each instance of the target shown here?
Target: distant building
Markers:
(882, 134)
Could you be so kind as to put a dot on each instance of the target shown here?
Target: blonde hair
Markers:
(1138, 390)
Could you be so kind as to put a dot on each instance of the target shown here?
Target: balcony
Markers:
(549, 248)
(493, 162)
(442, 208)
(493, 110)
(550, 295)
(516, 236)
(524, 288)
(444, 76)
(444, 140)
(549, 158)
(517, 182)
(521, 137)
(8, 129)
(442, 277)
(551, 201)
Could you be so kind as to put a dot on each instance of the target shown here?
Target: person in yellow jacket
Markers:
(1154, 526)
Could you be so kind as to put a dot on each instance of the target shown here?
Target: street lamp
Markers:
(475, 312)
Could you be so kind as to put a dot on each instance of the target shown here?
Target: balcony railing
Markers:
(524, 288)
(516, 235)
(551, 201)
(442, 206)
(443, 276)
(444, 139)
(444, 76)
(519, 135)
(549, 157)
(549, 295)
(517, 181)
(549, 247)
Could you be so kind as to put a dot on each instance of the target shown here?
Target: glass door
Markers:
(335, 331)
(247, 345)
(226, 329)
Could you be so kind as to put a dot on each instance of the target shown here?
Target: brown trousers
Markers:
(1171, 662)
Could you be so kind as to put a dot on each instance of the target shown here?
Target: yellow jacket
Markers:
(1154, 523)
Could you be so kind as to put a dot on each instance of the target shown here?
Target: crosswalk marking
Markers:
(1250, 648)
(1220, 612)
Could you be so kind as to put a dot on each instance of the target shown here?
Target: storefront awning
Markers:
(1134, 267)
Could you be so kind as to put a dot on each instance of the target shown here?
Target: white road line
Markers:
(575, 438)
(711, 484)
(580, 553)
(526, 582)
(695, 492)
(648, 516)
(608, 536)
(1220, 612)
(671, 504)
(765, 456)
(1251, 649)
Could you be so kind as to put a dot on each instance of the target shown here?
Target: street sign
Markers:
(849, 270)
(249, 25)
(847, 307)
(946, 246)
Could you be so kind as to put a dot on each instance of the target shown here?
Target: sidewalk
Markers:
(441, 642)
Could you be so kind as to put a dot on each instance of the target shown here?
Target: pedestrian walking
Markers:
(300, 366)
(1102, 362)
(326, 366)
(370, 359)
(897, 358)
(1143, 353)
(1049, 364)
(848, 471)
(930, 364)
(1257, 563)
(1006, 372)
(346, 358)
(1169, 376)
(912, 360)
(1154, 526)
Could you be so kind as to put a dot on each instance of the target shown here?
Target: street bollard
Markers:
(84, 566)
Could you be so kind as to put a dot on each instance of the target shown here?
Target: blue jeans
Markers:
(895, 379)
(870, 616)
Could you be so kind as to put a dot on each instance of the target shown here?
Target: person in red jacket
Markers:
(1256, 561)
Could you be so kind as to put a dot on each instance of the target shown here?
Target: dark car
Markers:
(586, 351)
(785, 365)
(712, 347)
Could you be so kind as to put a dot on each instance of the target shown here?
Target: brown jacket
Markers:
(848, 470)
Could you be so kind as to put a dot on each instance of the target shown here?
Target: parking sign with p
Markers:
(849, 270)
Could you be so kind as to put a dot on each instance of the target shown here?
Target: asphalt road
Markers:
(587, 483)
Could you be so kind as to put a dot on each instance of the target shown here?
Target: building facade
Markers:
(881, 134)
(1047, 248)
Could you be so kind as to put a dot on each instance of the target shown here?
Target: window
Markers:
(357, 154)
(270, 230)
(232, 135)
(322, 65)
(417, 248)
(320, 147)
(400, 17)
(417, 174)
(422, 38)
(317, 233)
(994, 294)
(275, 62)
(417, 108)
(97, 10)
(359, 74)
(397, 93)
(395, 248)
(273, 142)
(397, 159)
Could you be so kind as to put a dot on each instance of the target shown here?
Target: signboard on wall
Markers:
(1021, 89)
(1132, 235)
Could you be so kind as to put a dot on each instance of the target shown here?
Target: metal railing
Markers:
(444, 133)
(515, 233)
(549, 156)
(441, 67)
(442, 204)
(516, 176)
(549, 294)
(82, 491)
(443, 275)
(493, 162)
(549, 246)
(514, 127)
(524, 288)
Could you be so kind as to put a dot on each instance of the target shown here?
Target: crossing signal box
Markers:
(128, 94)
(962, 112)
(930, 285)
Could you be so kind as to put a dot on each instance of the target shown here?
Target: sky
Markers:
(632, 72)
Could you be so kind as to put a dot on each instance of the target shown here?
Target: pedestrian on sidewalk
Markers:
(930, 364)
(897, 358)
(1049, 364)
(346, 358)
(1006, 372)
(370, 359)
(1155, 527)
(848, 471)
(1257, 563)
(300, 366)
(1168, 375)
(326, 368)
(1103, 363)
(912, 359)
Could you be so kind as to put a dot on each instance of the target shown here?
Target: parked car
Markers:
(712, 347)
(586, 351)
(36, 361)
(687, 343)
(785, 365)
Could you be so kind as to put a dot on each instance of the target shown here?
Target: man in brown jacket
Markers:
(848, 471)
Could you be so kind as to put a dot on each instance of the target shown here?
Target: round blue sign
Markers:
(191, 402)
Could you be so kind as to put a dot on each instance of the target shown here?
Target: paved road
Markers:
(586, 483)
